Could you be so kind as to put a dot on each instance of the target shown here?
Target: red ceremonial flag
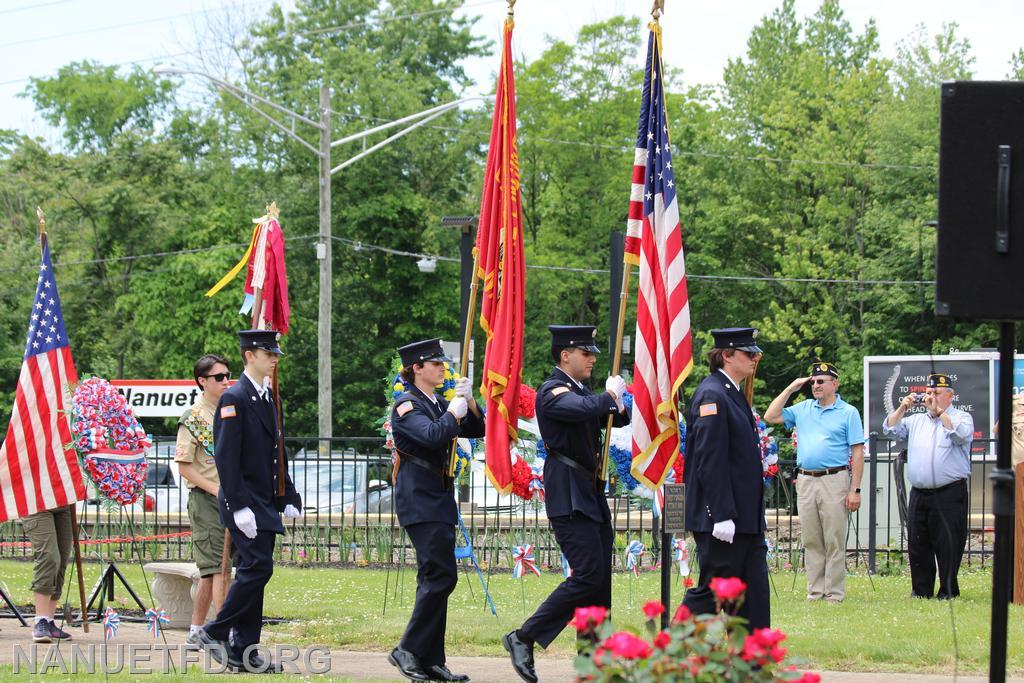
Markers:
(664, 343)
(38, 467)
(499, 245)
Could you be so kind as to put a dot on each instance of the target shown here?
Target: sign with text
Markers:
(158, 397)
(673, 514)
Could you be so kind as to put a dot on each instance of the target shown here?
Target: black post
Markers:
(666, 574)
(465, 274)
(1002, 508)
(616, 251)
(872, 501)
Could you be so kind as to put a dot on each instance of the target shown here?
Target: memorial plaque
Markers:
(673, 517)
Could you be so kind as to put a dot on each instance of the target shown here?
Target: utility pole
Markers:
(325, 428)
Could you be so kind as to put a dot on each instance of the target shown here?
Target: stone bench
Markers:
(174, 589)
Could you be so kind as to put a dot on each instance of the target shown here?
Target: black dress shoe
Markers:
(408, 664)
(522, 656)
(440, 672)
(220, 650)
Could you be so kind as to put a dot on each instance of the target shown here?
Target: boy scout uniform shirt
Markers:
(189, 450)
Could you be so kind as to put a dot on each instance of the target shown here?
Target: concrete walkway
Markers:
(16, 641)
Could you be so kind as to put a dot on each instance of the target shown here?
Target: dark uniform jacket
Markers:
(571, 419)
(723, 471)
(425, 431)
(245, 450)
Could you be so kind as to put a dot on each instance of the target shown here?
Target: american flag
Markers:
(38, 467)
(664, 344)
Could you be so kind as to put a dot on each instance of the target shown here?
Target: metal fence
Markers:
(348, 517)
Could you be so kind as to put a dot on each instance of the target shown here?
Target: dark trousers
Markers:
(588, 547)
(436, 578)
(746, 559)
(937, 533)
(242, 609)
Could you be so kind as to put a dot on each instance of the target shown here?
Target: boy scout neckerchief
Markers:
(200, 429)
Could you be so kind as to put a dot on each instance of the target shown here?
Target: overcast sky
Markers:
(700, 35)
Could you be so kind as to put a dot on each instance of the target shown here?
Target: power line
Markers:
(158, 58)
(383, 20)
(36, 6)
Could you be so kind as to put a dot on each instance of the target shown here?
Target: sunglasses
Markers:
(218, 377)
(819, 381)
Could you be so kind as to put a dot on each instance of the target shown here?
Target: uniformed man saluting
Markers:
(424, 426)
(723, 476)
(246, 434)
(571, 417)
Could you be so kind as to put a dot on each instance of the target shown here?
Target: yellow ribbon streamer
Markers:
(238, 266)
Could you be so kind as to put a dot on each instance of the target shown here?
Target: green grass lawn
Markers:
(878, 628)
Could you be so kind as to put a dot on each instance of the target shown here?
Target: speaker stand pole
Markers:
(1002, 507)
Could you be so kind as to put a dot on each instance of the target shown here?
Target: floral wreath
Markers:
(109, 440)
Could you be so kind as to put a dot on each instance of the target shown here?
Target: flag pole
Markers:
(74, 511)
(467, 338)
(616, 361)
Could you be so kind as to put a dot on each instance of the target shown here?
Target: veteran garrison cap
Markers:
(937, 380)
(822, 368)
(268, 340)
(579, 336)
(741, 338)
(422, 351)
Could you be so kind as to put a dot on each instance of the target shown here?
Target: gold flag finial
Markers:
(658, 9)
(42, 220)
(511, 6)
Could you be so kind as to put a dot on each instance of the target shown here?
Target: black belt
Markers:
(821, 473)
(941, 488)
(420, 462)
(566, 460)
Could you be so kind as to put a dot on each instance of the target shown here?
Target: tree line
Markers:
(806, 181)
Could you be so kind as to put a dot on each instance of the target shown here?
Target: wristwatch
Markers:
(856, 490)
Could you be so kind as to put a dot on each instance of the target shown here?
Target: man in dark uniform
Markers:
(571, 418)
(246, 433)
(424, 426)
(723, 476)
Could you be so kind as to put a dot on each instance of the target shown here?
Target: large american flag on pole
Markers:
(38, 467)
(664, 344)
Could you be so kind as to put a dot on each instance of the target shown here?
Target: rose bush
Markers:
(707, 647)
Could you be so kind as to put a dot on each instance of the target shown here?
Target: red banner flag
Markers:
(502, 268)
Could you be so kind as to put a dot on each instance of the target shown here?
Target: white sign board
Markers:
(158, 397)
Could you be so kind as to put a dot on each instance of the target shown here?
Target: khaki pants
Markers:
(50, 535)
(823, 524)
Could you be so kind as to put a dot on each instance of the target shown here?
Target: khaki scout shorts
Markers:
(50, 534)
(207, 531)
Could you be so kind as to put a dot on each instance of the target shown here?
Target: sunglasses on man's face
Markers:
(819, 381)
(219, 376)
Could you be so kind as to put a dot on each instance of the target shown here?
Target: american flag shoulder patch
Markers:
(707, 409)
(404, 408)
(227, 411)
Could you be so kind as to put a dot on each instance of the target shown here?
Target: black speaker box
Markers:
(980, 253)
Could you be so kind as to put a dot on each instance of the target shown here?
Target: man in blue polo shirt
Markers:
(830, 461)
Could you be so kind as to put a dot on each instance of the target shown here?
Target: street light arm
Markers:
(272, 120)
(239, 93)
(388, 141)
(441, 108)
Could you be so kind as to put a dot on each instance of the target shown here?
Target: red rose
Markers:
(662, 640)
(653, 609)
(587, 618)
(687, 582)
(527, 401)
(727, 590)
(521, 476)
(768, 637)
(682, 614)
(628, 646)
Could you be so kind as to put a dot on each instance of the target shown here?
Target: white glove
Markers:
(724, 531)
(615, 385)
(245, 520)
(464, 388)
(458, 407)
(291, 512)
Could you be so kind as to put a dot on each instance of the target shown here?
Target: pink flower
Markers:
(628, 646)
(587, 618)
(809, 677)
(681, 615)
(768, 637)
(653, 609)
(728, 589)
(662, 640)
